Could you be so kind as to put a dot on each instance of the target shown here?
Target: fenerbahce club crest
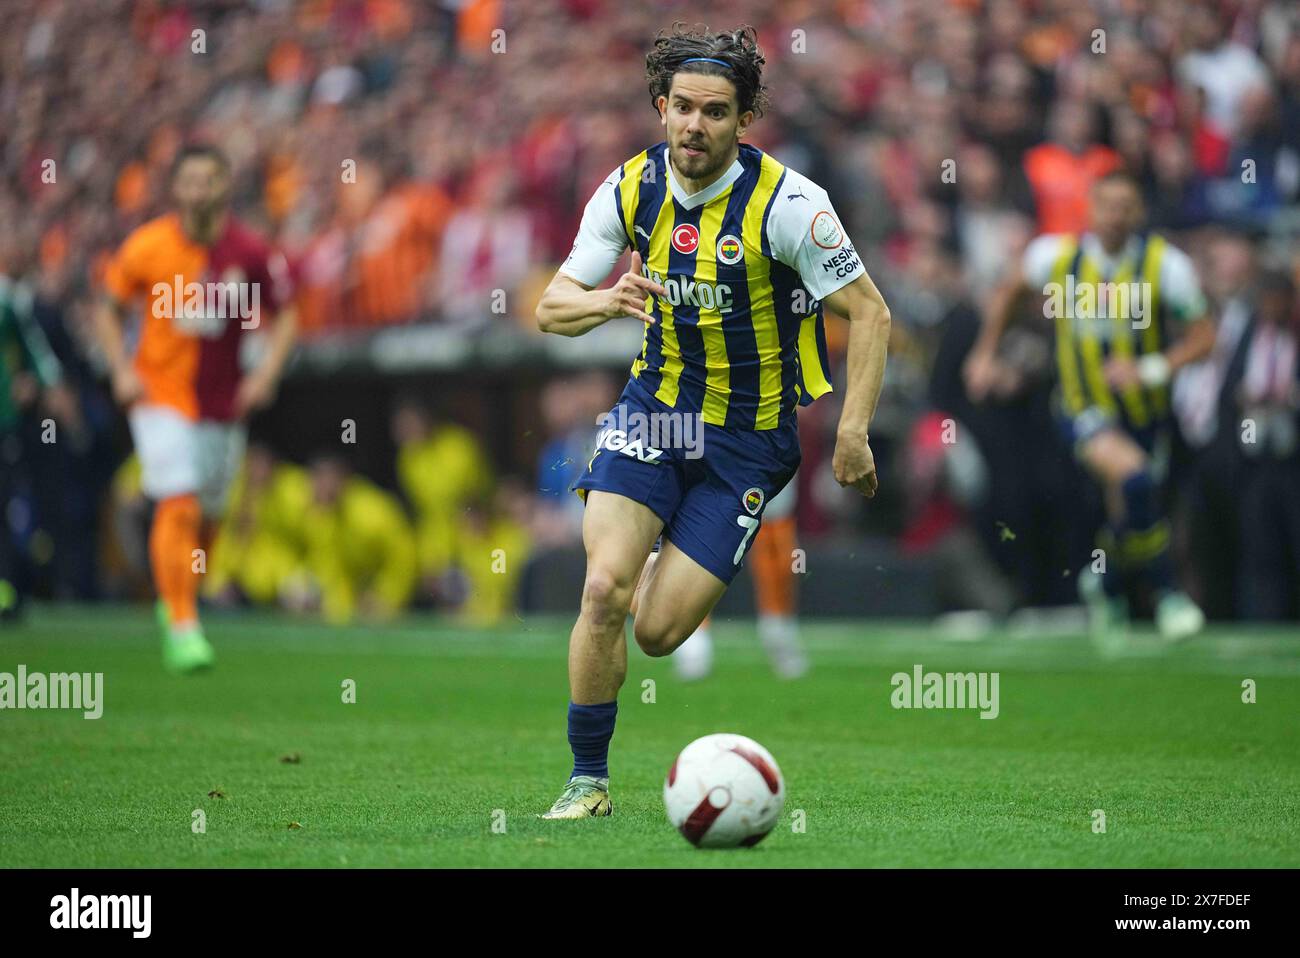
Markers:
(753, 500)
(729, 250)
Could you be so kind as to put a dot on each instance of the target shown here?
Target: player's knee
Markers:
(657, 638)
(605, 597)
(1127, 463)
(1112, 457)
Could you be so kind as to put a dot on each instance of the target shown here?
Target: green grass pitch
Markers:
(451, 726)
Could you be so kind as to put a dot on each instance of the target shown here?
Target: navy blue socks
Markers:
(1144, 545)
(1138, 545)
(590, 729)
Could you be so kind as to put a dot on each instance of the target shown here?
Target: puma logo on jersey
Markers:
(615, 440)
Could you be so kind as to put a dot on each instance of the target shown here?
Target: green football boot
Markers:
(1107, 616)
(584, 797)
(186, 650)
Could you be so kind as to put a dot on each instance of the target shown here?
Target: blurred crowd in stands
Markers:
(422, 160)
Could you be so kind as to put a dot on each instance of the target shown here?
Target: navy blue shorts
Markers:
(709, 484)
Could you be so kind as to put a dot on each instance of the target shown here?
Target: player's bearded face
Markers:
(200, 187)
(703, 123)
(1116, 211)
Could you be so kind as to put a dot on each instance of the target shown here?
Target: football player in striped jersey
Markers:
(734, 257)
(1127, 313)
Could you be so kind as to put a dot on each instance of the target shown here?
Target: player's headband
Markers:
(721, 63)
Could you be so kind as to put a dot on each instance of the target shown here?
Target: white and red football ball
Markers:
(724, 790)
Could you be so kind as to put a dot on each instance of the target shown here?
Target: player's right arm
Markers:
(107, 321)
(571, 308)
(122, 284)
(571, 304)
(982, 369)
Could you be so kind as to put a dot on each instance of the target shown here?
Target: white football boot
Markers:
(1178, 617)
(693, 659)
(779, 635)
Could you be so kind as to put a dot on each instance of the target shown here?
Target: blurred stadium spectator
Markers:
(442, 470)
(570, 407)
(260, 553)
(1265, 389)
(360, 550)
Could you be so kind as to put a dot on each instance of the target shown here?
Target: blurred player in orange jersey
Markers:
(204, 279)
(774, 595)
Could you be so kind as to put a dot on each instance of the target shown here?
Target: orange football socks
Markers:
(773, 576)
(172, 541)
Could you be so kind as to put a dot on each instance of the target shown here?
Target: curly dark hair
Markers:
(738, 48)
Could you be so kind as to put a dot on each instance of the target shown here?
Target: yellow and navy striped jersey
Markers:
(739, 337)
(1119, 305)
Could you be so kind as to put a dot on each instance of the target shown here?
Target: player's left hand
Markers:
(1122, 372)
(854, 465)
(254, 393)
